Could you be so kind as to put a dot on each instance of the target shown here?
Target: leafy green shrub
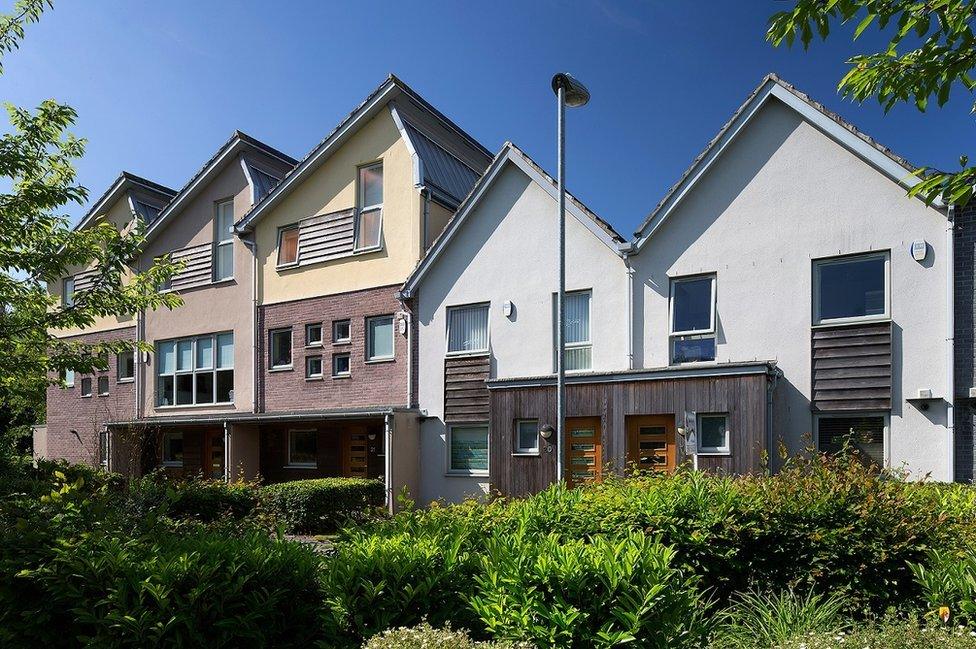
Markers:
(322, 505)
(886, 634)
(424, 636)
(770, 620)
(598, 593)
(948, 582)
(195, 498)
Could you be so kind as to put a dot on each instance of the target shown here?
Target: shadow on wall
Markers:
(791, 408)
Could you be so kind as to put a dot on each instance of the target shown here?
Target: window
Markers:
(280, 349)
(69, 378)
(195, 371)
(379, 338)
(864, 436)
(68, 292)
(172, 449)
(340, 365)
(288, 245)
(693, 319)
(468, 447)
(302, 448)
(341, 331)
(86, 386)
(103, 449)
(313, 367)
(313, 334)
(467, 329)
(713, 434)
(125, 366)
(370, 218)
(527, 436)
(850, 288)
(102, 386)
(576, 316)
(224, 241)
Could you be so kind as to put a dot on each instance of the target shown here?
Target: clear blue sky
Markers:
(160, 85)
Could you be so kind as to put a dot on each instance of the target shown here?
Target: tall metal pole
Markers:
(561, 298)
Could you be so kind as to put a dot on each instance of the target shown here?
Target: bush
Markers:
(196, 498)
(771, 620)
(323, 505)
(424, 636)
(948, 582)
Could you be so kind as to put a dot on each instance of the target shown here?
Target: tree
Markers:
(931, 50)
(38, 245)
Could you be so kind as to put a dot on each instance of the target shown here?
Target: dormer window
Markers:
(223, 267)
(370, 213)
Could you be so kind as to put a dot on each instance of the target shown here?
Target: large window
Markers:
(576, 316)
(848, 289)
(370, 217)
(302, 449)
(379, 338)
(280, 349)
(692, 319)
(68, 292)
(194, 371)
(125, 366)
(713, 434)
(527, 436)
(288, 245)
(863, 436)
(223, 267)
(467, 329)
(172, 449)
(468, 448)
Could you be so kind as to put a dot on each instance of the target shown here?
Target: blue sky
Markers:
(160, 85)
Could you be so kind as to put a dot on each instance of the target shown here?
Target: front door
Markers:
(213, 454)
(354, 453)
(650, 443)
(584, 453)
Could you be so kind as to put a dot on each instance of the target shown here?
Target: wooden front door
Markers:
(355, 461)
(213, 454)
(650, 443)
(584, 452)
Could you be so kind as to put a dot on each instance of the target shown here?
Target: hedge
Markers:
(322, 505)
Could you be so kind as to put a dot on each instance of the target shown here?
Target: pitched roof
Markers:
(510, 153)
(833, 125)
(124, 182)
(374, 102)
(237, 142)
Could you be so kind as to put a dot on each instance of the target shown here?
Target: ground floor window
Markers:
(173, 449)
(527, 436)
(103, 449)
(468, 449)
(863, 435)
(302, 449)
(713, 434)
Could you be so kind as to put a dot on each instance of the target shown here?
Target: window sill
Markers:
(132, 380)
(342, 376)
(366, 251)
(526, 454)
(283, 368)
(314, 378)
(317, 345)
(300, 466)
(189, 406)
(286, 266)
(843, 322)
(466, 474)
(103, 394)
(715, 453)
(376, 361)
(86, 396)
(693, 363)
(347, 341)
(466, 354)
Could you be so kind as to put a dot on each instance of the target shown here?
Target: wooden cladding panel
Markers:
(197, 269)
(84, 280)
(465, 391)
(852, 367)
(325, 237)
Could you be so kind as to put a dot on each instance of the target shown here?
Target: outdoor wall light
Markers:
(546, 431)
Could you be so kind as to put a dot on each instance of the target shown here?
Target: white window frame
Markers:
(68, 383)
(451, 471)
(298, 247)
(301, 465)
(526, 450)
(87, 394)
(223, 239)
(68, 295)
(692, 334)
(104, 448)
(336, 340)
(726, 449)
(447, 330)
(168, 437)
(118, 367)
(308, 328)
(308, 372)
(271, 349)
(363, 208)
(852, 414)
(828, 261)
(98, 385)
(583, 344)
(194, 370)
(341, 375)
(369, 338)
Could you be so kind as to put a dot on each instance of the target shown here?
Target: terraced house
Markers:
(384, 307)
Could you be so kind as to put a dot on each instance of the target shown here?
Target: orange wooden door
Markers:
(650, 443)
(584, 452)
(213, 454)
(354, 453)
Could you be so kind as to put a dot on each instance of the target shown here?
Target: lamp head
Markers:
(575, 92)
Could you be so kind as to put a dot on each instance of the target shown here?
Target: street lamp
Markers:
(572, 93)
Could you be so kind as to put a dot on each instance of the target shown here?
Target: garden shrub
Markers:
(948, 582)
(772, 619)
(194, 498)
(427, 637)
(322, 505)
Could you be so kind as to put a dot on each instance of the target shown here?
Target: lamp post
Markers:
(572, 93)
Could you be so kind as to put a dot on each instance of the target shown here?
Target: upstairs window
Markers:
(379, 338)
(103, 386)
(313, 334)
(68, 292)
(86, 386)
(849, 289)
(576, 316)
(223, 267)
(341, 331)
(467, 329)
(693, 319)
(370, 214)
(194, 371)
(125, 366)
(288, 245)
(68, 376)
(280, 349)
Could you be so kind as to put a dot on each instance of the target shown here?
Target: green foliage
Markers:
(892, 633)
(12, 24)
(931, 50)
(195, 498)
(424, 636)
(770, 620)
(948, 581)
(322, 505)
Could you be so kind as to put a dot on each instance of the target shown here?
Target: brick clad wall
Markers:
(67, 410)
(369, 384)
(965, 341)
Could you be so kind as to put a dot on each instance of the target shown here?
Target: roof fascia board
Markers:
(124, 183)
(321, 153)
(247, 175)
(418, 164)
